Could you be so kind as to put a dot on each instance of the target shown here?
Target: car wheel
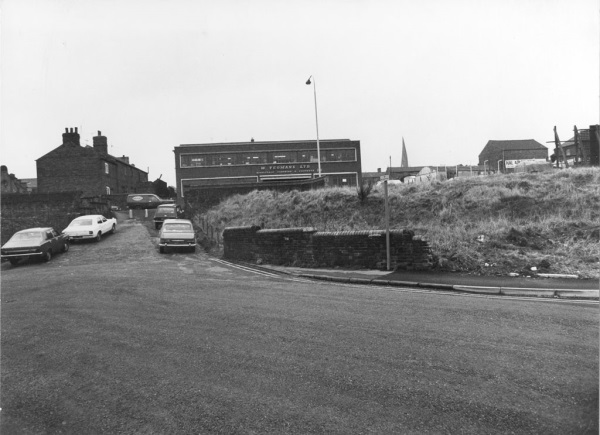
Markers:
(66, 247)
(156, 226)
(193, 249)
(47, 256)
(161, 249)
(14, 261)
(114, 228)
(99, 236)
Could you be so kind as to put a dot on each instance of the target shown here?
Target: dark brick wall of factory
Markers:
(305, 247)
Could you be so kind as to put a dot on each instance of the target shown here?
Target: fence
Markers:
(212, 234)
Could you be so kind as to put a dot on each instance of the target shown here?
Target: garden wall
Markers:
(306, 247)
(56, 210)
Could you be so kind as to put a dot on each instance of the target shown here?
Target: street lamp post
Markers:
(314, 83)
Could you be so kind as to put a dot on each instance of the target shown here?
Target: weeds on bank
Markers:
(526, 220)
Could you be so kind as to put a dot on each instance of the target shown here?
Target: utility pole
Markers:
(560, 148)
(387, 225)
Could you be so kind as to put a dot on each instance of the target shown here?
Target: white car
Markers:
(91, 226)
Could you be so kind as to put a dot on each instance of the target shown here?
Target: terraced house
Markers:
(91, 170)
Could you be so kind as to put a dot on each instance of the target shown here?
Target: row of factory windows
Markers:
(267, 157)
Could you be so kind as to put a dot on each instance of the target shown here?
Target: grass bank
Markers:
(485, 225)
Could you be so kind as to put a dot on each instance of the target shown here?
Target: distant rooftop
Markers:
(511, 145)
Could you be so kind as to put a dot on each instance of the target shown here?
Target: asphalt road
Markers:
(113, 337)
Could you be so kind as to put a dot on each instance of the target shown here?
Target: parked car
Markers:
(91, 226)
(165, 211)
(176, 234)
(34, 243)
(146, 200)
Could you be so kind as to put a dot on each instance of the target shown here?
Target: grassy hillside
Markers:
(486, 225)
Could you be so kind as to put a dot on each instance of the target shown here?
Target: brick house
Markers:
(91, 170)
(11, 184)
(497, 154)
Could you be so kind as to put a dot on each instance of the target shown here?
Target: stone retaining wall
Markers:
(21, 211)
(306, 247)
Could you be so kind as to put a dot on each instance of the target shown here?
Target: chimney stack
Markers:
(71, 137)
(100, 143)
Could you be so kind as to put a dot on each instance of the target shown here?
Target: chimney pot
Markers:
(99, 133)
(70, 137)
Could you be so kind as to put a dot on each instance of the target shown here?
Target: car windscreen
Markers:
(177, 228)
(28, 235)
(81, 223)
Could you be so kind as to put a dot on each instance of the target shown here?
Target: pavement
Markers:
(558, 286)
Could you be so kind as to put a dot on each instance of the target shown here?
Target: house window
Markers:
(107, 190)
(106, 169)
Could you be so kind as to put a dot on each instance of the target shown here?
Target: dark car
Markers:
(34, 243)
(177, 234)
(165, 211)
(146, 200)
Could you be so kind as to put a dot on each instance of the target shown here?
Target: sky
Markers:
(445, 75)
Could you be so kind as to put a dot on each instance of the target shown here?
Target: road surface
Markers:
(113, 337)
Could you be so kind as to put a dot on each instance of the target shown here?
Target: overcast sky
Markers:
(447, 75)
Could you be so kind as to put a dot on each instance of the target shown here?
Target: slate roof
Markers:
(495, 146)
(91, 151)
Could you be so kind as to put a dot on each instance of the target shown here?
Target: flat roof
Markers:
(267, 142)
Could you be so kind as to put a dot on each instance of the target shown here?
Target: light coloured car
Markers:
(91, 226)
(34, 243)
(177, 234)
